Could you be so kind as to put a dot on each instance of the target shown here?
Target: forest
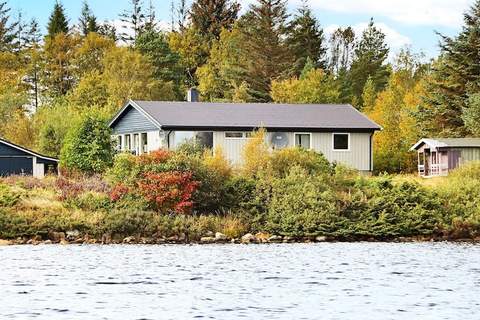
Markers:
(86, 69)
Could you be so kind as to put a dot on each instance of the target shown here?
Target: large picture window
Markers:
(303, 140)
(341, 141)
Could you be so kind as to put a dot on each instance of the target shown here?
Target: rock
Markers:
(275, 238)
(160, 240)
(5, 242)
(56, 236)
(182, 237)
(320, 239)
(262, 236)
(106, 238)
(33, 241)
(287, 239)
(207, 239)
(248, 238)
(220, 237)
(72, 235)
(129, 239)
(147, 241)
(64, 242)
(47, 242)
(235, 240)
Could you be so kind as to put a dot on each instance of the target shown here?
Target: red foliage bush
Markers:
(168, 191)
(118, 192)
(155, 157)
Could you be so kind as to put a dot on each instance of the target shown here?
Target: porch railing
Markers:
(440, 169)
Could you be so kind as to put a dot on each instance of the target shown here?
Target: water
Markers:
(285, 281)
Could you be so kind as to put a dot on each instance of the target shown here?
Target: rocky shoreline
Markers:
(75, 237)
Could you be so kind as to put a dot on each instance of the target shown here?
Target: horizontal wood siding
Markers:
(133, 121)
(358, 157)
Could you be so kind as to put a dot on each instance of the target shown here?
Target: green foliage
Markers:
(471, 114)
(88, 146)
(210, 17)
(58, 21)
(8, 197)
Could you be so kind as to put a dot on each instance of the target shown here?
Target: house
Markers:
(436, 157)
(340, 132)
(16, 160)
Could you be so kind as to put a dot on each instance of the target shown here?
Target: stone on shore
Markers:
(5, 242)
(275, 238)
(249, 238)
(220, 237)
(130, 239)
(64, 242)
(56, 236)
(207, 239)
(320, 239)
(72, 235)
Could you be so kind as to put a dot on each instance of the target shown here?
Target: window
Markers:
(233, 134)
(341, 141)
(144, 143)
(303, 140)
(119, 143)
(128, 142)
(136, 143)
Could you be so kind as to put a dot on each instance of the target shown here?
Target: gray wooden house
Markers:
(340, 132)
(437, 157)
(16, 160)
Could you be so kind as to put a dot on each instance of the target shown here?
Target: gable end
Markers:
(132, 120)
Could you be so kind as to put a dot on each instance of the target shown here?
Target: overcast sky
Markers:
(405, 22)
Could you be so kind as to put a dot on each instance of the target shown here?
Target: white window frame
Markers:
(333, 141)
(244, 136)
(295, 139)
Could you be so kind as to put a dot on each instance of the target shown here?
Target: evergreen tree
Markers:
(455, 77)
(342, 43)
(7, 30)
(369, 62)
(210, 16)
(266, 50)
(108, 30)
(306, 39)
(58, 21)
(134, 22)
(87, 21)
(150, 20)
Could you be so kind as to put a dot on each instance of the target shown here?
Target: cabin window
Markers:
(303, 140)
(119, 143)
(136, 143)
(341, 141)
(204, 139)
(144, 143)
(128, 142)
(182, 137)
(234, 135)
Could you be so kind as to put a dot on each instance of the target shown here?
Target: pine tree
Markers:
(7, 30)
(455, 77)
(108, 30)
(210, 16)
(342, 43)
(134, 21)
(266, 50)
(306, 39)
(150, 19)
(58, 21)
(87, 21)
(369, 61)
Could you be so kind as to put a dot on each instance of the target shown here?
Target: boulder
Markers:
(5, 242)
(72, 235)
(320, 239)
(64, 242)
(220, 237)
(209, 234)
(129, 239)
(262, 236)
(275, 238)
(287, 239)
(207, 239)
(47, 242)
(56, 236)
(248, 238)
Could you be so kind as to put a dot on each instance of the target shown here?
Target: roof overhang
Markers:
(35, 154)
(252, 128)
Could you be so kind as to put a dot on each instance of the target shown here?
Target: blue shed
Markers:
(16, 160)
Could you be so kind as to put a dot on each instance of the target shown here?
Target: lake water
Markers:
(284, 281)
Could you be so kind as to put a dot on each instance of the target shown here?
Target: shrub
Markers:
(256, 153)
(123, 169)
(88, 146)
(8, 198)
(312, 162)
(168, 191)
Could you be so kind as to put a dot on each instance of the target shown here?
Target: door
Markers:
(16, 165)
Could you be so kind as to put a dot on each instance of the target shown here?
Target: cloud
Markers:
(446, 13)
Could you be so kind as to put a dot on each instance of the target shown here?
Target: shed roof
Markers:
(198, 115)
(30, 152)
(448, 143)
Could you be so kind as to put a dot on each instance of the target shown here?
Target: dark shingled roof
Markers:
(196, 115)
(448, 143)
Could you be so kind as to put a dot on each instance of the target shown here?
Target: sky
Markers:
(405, 22)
